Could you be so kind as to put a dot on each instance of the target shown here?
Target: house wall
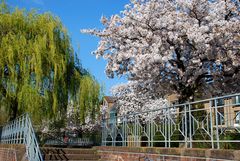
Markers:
(109, 105)
(173, 98)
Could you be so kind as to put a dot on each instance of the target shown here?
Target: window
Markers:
(220, 113)
(236, 100)
(220, 102)
(113, 116)
(237, 117)
(221, 117)
(105, 103)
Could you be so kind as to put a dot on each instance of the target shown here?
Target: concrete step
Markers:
(74, 154)
(70, 157)
(68, 151)
(73, 160)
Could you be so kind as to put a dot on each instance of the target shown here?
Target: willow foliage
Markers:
(39, 72)
(35, 52)
(89, 94)
(84, 100)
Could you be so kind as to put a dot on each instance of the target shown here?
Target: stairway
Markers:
(70, 154)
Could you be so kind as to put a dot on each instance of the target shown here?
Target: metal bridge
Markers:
(210, 123)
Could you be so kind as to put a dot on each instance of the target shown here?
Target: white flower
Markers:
(158, 41)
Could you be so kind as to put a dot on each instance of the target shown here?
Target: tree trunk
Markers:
(14, 108)
(187, 94)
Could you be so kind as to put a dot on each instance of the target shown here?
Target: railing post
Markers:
(103, 132)
(114, 131)
(25, 128)
(151, 130)
(166, 127)
(124, 132)
(190, 125)
(169, 129)
(216, 116)
(135, 131)
(185, 125)
(211, 123)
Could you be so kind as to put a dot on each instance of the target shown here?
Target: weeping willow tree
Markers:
(39, 72)
(35, 54)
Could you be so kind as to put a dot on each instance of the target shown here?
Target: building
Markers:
(109, 108)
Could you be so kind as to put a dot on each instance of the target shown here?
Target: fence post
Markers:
(185, 125)
(169, 129)
(124, 132)
(166, 127)
(190, 125)
(151, 130)
(211, 123)
(216, 116)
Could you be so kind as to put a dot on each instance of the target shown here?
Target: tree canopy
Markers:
(167, 47)
(39, 71)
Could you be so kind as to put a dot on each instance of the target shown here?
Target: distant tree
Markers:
(182, 47)
(83, 110)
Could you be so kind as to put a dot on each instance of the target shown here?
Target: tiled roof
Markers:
(110, 99)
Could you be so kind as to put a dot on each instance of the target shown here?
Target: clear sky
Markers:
(77, 15)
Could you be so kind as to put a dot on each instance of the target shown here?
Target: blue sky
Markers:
(77, 15)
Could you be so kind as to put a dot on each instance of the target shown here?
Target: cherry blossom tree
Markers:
(174, 46)
(129, 101)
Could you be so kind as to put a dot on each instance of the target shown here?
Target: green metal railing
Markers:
(20, 131)
(210, 123)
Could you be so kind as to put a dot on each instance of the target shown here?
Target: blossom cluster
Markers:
(174, 46)
(130, 103)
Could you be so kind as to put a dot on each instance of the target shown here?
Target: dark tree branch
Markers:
(200, 77)
(231, 72)
(179, 62)
(228, 16)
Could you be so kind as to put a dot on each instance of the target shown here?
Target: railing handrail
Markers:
(20, 131)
